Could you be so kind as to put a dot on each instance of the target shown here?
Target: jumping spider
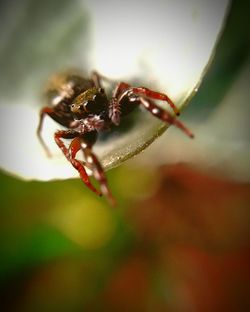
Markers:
(81, 105)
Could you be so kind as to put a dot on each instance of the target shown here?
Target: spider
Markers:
(82, 106)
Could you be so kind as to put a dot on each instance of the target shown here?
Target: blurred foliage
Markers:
(27, 55)
(183, 245)
(177, 240)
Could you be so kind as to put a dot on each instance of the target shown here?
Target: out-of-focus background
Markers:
(178, 240)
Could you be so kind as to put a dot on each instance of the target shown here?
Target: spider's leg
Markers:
(96, 77)
(44, 111)
(154, 95)
(121, 86)
(71, 153)
(55, 116)
(114, 104)
(98, 172)
(164, 115)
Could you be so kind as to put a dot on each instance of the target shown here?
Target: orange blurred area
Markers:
(191, 207)
(199, 226)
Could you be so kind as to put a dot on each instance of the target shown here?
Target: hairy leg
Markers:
(55, 116)
(44, 111)
(96, 77)
(151, 95)
(98, 172)
(164, 115)
(70, 154)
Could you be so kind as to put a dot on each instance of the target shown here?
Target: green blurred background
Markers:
(178, 239)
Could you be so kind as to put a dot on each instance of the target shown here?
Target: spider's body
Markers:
(82, 106)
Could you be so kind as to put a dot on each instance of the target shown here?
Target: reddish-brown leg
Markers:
(122, 86)
(154, 95)
(55, 116)
(44, 111)
(164, 115)
(97, 77)
(124, 89)
(98, 172)
(71, 153)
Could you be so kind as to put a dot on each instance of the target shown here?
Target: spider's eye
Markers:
(88, 106)
(76, 108)
(97, 104)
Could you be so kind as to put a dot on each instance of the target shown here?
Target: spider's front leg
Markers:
(70, 154)
(164, 115)
(144, 96)
(155, 96)
(93, 163)
(124, 89)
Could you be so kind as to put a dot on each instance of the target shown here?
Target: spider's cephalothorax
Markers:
(82, 106)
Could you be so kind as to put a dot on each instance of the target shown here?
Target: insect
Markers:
(82, 106)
